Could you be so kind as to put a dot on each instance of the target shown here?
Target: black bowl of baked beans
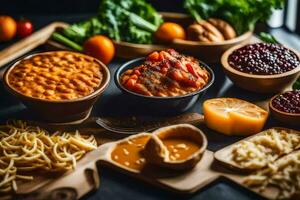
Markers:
(159, 85)
(261, 67)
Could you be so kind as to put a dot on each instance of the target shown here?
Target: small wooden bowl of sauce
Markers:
(177, 147)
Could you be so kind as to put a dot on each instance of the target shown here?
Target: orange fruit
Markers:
(169, 31)
(8, 28)
(233, 116)
(100, 47)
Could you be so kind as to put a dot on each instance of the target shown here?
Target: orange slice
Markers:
(233, 116)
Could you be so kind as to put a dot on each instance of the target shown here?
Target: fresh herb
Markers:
(132, 21)
(241, 14)
(296, 85)
(268, 38)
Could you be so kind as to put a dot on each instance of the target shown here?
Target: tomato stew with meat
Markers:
(166, 74)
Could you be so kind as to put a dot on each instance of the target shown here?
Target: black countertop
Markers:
(115, 185)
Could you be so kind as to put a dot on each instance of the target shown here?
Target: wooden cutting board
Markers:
(85, 177)
(179, 182)
(205, 172)
(74, 183)
(29, 43)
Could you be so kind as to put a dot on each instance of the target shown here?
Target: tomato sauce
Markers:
(164, 74)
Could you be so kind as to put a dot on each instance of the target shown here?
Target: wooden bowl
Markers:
(284, 117)
(74, 110)
(258, 83)
(157, 153)
(208, 52)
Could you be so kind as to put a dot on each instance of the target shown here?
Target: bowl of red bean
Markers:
(164, 81)
(261, 67)
(285, 107)
(58, 86)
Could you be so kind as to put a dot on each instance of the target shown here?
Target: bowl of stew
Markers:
(58, 86)
(165, 81)
(261, 67)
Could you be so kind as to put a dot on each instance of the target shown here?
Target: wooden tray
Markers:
(184, 182)
(85, 177)
(205, 172)
(238, 174)
(223, 155)
(79, 181)
(204, 51)
(207, 52)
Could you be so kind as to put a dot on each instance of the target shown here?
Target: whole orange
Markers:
(100, 47)
(8, 28)
(169, 31)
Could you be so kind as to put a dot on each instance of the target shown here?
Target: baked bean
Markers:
(19, 84)
(49, 92)
(56, 76)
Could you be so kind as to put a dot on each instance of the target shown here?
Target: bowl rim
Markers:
(272, 108)
(200, 133)
(227, 67)
(103, 85)
(119, 85)
(237, 39)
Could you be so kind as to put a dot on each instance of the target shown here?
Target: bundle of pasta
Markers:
(265, 148)
(26, 148)
(283, 174)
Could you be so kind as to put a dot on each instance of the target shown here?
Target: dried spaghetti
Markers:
(27, 148)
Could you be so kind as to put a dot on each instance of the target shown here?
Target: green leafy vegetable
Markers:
(268, 38)
(60, 38)
(241, 14)
(132, 21)
(296, 85)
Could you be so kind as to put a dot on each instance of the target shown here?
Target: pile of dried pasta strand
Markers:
(283, 174)
(24, 148)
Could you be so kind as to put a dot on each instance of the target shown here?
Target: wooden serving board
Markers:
(238, 173)
(179, 182)
(29, 43)
(208, 52)
(85, 177)
(223, 155)
(73, 183)
(205, 172)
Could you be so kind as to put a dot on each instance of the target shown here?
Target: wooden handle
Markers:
(27, 44)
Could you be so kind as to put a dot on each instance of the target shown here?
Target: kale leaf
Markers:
(241, 14)
(132, 21)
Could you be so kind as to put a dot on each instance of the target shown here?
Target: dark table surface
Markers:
(115, 185)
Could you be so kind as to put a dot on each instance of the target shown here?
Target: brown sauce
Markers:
(180, 148)
(129, 153)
